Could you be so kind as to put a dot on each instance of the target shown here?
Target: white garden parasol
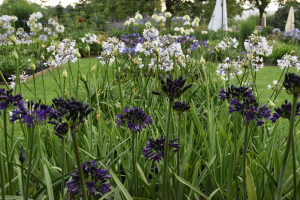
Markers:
(219, 17)
(290, 23)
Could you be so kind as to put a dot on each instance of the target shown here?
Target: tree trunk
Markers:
(261, 12)
(168, 9)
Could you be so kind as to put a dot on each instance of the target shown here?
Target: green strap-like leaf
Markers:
(250, 185)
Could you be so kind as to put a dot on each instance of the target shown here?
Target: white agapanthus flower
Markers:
(257, 63)
(66, 52)
(186, 18)
(227, 43)
(51, 21)
(203, 32)
(160, 19)
(89, 38)
(229, 68)
(35, 16)
(150, 33)
(168, 15)
(176, 29)
(127, 23)
(258, 45)
(195, 23)
(60, 28)
(148, 24)
(288, 61)
(186, 23)
(131, 20)
(111, 43)
(138, 16)
(8, 18)
(154, 16)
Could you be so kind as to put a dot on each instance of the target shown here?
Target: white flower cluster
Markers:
(258, 45)
(159, 18)
(184, 31)
(147, 47)
(276, 86)
(150, 33)
(32, 22)
(196, 21)
(288, 61)
(229, 68)
(111, 44)
(5, 22)
(58, 27)
(137, 18)
(63, 52)
(89, 38)
(227, 43)
(168, 15)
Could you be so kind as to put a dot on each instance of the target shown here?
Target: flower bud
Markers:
(64, 74)
(271, 103)
(119, 69)
(202, 61)
(87, 48)
(22, 155)
(189, 51)
(156, 51)
(208, 43)
(98, 42)
(151, 71)
(15, 54)
(250, 56)
(77, 54)
(199, 47)
(32, 66)
(115, 52)
(129, 56)
(146, 106)
(94, 68)
(82, 77)
(43, 46)
(292, 53)
(13, 39)
(255, 32)
(42, 57)
(180, 63)
(132, 84)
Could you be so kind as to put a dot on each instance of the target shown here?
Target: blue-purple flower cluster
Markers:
(155, 148)
(285, 111)
(96, 180)
(243, 101)
(135, 119)
(7, 99)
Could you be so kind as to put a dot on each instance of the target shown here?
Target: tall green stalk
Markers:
(165, 186)
(7, 153)
(144, 90)
(178, 158)
(42, 69)
(287, 149)
(80, 172)
(133, 163)
(63, 153)
(29, 162)
(120, 91)
(294, 169)
(2, 179)
(236, 152)
(77, 85)
(244, 161)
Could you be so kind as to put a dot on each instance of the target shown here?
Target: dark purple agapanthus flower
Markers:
(155, 148)
(173, 89)
(96, 180)
(248, 107)
(7, 99)
(181, 107)
(285, 111)
(292, 83)
(32, 114)
(67, 113)
(236, 93)
(135, 119)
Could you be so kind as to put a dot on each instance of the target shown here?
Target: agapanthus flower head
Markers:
(229, 67)
(173, 89)
(134, 118)
(258, 45)
(248, 107)
(181, 107)
(227, 43)
(284, 111)
(288, 61)
(89, 38)
(234, 92)
(95, 180)
(7, 99)
(155, 148)
(32, 113)
(291, 83)
(22, 155)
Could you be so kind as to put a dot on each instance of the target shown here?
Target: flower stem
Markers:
(23, 179)
(2, 77)
(29, 162)
(63, 163)
(178, 158)
(157, 69)
(120, 91)
(71, 76)
(244, 161)
(294, 169)
(141, 101)
(165, 189)
(133, 164)
(235, 154)
(77, 85)
(42, 69)
(287, 149)
(2, 179)
(81, 177)
(18, 75)
(7, 153)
